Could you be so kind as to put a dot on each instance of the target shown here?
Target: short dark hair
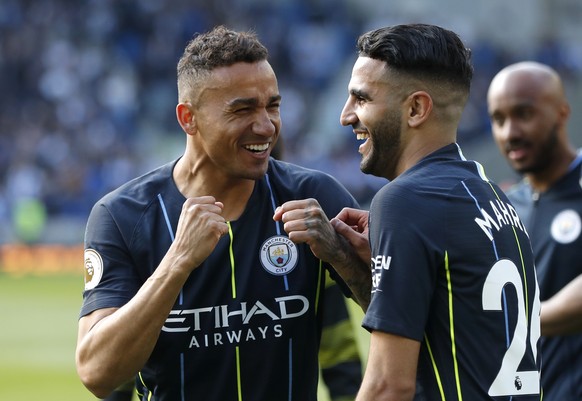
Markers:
(426, 51)
(219, 47)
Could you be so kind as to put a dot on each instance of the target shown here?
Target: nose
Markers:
(507, 131)
(348, 117)
(266, 124)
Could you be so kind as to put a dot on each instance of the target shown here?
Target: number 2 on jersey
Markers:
(509, 381)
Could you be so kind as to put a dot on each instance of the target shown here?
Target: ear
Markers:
(186, 118)
(564, 112)
(419, 108)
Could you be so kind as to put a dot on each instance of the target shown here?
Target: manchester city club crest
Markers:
(566, 226)
(278, 255)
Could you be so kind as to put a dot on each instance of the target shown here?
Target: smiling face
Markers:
(375, 114)
(234, 121)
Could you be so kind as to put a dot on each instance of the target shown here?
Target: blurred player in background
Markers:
(191, 283)
(529, 116)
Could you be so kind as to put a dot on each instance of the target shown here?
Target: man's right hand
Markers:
(200, 227)
(352, 224)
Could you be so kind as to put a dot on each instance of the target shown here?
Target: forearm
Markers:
(368, 393)
(115, 348)
(356, 274)
(391, 369)
(562, 313)
(386, 387)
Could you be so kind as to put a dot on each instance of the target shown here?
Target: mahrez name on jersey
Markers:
(505, 215)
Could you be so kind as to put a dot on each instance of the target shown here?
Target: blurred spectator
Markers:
(85, 96)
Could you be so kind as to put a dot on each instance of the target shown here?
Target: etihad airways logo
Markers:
(224, 316)
(184, 320)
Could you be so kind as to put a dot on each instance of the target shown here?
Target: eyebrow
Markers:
(252, 101)
(359, 93)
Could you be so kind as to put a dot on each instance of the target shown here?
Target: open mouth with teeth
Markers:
(366, 145)
(257, 148)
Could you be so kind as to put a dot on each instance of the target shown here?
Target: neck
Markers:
(421, 146)
(193, 181)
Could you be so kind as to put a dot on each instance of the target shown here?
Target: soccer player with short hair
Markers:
(192, 284)
(455, 302)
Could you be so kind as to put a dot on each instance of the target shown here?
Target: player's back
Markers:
(460, 266)
(486, 299)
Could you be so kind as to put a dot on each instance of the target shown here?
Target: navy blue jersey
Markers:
(553, 220)
(247, 323)
(453, 269)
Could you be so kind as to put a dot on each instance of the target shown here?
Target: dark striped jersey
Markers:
(247, 323)
(452, 268)
(553, 220)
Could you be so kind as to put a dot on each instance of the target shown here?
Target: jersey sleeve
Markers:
(110, 278)
(405, 254)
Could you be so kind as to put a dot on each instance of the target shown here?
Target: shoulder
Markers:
(133, 199)
(401, 199)
(442, 171)
(571, 183)
(141, 189)
(301, 176)
(131, 205)
(519, 193)
(434, 189)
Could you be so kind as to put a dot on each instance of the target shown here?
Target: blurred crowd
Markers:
(88, 93)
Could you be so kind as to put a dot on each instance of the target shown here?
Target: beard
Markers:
(384, 153)
(544, 154)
